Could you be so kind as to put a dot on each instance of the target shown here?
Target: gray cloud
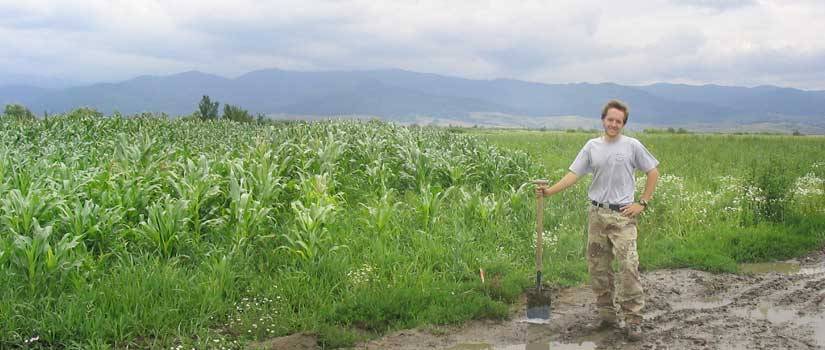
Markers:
(680, 42)
(698, 41)
(519, 58)
(719, 5)
(13, 16)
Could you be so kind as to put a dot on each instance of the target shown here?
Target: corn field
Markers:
(115, 230)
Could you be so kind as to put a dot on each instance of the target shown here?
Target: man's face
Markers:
(613, 122)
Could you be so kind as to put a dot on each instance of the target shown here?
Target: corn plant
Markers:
(165, 227)
(481, 207)
(21, 213)
(133, 194)
(38, 261)
(458, 172)
(317, 188)
(429, 204)
(326, 150)
(378, 174)
(97, 226)
(5, 167)
(198, 187)
(140, 156)
(246, 217)
(371, 148)
(4, 246)
(22, 179)
(417, 167)
(517, 199)
(309, 239)
(266, 171)
(381, 211)
(67, 181)
(138, 174)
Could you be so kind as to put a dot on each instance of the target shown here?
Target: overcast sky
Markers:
(730, 42)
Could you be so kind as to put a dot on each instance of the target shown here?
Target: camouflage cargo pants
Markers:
(610, 235)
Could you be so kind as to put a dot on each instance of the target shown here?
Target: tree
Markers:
(237, 114)
(18, 112)
(207, 109)
(85, 112)
(261, 118)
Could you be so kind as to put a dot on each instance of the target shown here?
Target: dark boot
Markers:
(607, 320)
(604, 325)
(633, 330)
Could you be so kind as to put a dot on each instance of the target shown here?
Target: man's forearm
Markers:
(650, 184)
(568, 180)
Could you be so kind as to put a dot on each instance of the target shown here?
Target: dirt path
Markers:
(686, 309)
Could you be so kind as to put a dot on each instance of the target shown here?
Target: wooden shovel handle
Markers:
(539, 223)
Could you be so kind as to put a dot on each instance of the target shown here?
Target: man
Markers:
(612, 158)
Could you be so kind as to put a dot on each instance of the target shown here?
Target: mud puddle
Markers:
(768, 306)
(778, 267)
(536, 346)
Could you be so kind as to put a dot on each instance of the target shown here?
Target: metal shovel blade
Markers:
(538, 305)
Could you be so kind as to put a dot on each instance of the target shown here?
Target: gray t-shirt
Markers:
(612, 165)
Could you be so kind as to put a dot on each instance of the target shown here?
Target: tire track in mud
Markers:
(767, 311)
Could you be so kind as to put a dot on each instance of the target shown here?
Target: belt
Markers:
(613, 207)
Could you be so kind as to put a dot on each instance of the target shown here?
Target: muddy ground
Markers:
(686, 309)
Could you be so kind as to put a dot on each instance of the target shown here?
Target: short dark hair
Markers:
(619, 105)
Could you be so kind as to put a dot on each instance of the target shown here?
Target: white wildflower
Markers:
(364, 274)
(809, 185)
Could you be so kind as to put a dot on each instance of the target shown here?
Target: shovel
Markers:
(538, 299)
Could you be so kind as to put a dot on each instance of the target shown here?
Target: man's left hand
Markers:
(633, 209)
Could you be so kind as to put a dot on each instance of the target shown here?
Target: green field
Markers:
(157, 233)
(721, 199)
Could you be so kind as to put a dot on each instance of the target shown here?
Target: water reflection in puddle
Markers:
(788, 268)
(810, 270)
(705, 303)
(535, 346)
(780, 267)
(777, 315)
(770, 313)
(474, 346)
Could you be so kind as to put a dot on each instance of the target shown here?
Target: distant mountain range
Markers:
(410, 96)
